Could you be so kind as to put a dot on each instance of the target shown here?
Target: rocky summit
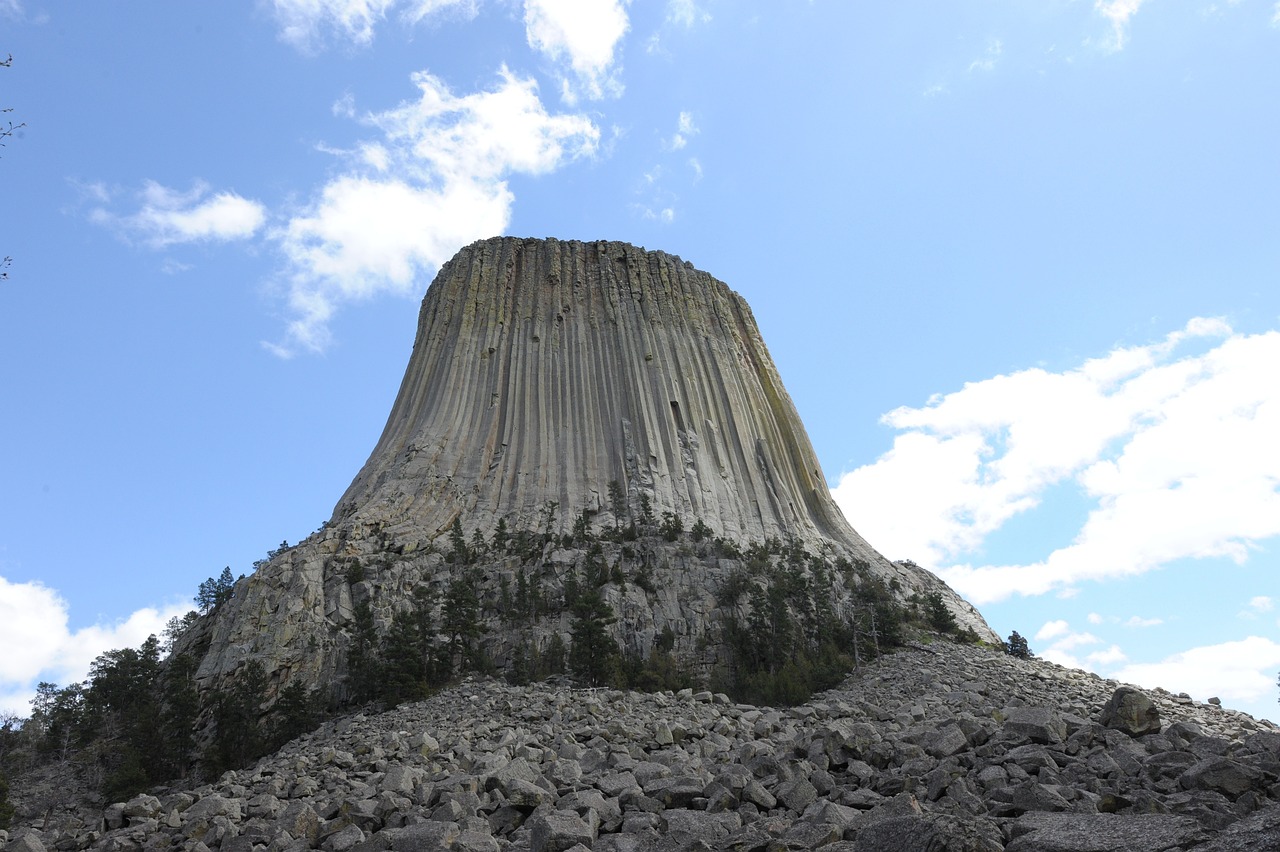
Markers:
(564, 403)
(933, 747)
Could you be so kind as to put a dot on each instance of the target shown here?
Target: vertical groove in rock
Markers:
(543, 370)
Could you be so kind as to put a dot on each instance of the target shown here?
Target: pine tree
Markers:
(213, 593)
(459, 554)
(238, 733)
(1017, 646)
(363, 663)
(617, 504)
(295, 713)
(181, 707)
(6, 808)
(593, 654)
(460, 621)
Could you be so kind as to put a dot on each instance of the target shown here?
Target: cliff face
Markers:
(544, 371)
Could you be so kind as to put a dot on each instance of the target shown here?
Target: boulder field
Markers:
(934, 747)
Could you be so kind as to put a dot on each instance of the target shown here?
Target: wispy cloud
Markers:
(39, 644)
(435, 181)
(987, 61)
(168, 216)
(584, 35)
(684, 129)
(307, 23)
(1118, 13)
(686, 13)
(1173, 451)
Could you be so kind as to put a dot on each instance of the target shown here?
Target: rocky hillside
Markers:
(934, 747)
(566, 406)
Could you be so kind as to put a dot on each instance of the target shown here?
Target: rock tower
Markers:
(552, 383)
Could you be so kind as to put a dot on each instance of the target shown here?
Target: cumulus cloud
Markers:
(1118, 13)
(167, 216)
(1237, 672)
(583, 34)
(1110, 657)
(435, 181)
(39, 644)
(1173, 451)
(1052, 629)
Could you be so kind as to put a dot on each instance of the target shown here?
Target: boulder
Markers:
(557, 831)
(1132, 712)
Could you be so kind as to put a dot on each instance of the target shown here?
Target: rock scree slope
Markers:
(932, 748)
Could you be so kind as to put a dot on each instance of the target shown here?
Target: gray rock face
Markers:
(543, 371)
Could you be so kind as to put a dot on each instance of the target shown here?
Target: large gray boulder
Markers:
(1131, 711)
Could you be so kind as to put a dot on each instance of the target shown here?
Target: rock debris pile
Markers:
(938, 747)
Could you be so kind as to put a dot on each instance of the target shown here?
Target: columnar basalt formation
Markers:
(544, 370)
(554, 384)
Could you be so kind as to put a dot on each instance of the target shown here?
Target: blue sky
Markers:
(1017, 263)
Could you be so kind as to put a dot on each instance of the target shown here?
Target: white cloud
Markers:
(1118, 13)
(684, 129)
(1261, 603)
(1275, 16)
(1052, 629)
(11, 8)
(39, 645)
(301, 21)
(1173, 451)
(1094, 618)
(168, 216)
(987, 61)
(1075, 640)
(1110, 657)
(435, 182)
(584, 34)
(1240, 671)
(686, 13)
(1136, 621)
(304, 22)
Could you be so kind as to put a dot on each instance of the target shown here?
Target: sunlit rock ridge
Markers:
(542, 372)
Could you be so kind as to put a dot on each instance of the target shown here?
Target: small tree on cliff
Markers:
(1017, 646)
(213, 593)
